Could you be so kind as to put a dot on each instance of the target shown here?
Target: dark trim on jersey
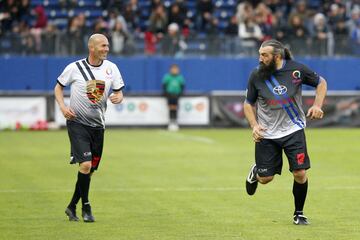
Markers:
(82, 71)
(60, 83)
(249, 102)
(87, 61)
(290, 103)
(88, 69)
(270, 84)
(119, 89)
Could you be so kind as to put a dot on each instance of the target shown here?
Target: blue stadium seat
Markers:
(35, 3)
(52, 14)
(144, 4)
(94, 13)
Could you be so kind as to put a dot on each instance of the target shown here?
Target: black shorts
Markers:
(172, 99)
(268, 154)
(86, 143)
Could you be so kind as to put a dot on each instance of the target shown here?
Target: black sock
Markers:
(84, 184)
(173, 115)
(76, 196)
(299, 192)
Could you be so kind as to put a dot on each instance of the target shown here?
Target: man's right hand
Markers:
(68, 113)
(258, 132)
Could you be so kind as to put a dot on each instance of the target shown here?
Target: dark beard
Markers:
(265, 71)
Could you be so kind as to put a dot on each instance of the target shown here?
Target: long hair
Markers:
(279, 48)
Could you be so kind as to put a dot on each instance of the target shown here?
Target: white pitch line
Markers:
(159, 189)
(180, 136)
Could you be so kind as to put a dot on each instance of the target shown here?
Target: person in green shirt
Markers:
(173, 87)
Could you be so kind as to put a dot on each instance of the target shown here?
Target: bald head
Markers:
(97, 37)
(98, 48)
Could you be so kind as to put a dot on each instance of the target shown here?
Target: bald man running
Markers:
(92, 81)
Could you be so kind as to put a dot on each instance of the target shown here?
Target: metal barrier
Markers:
(66, 44)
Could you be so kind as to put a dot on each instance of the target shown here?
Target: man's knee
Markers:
(300, 175)
(85, 167)
(265, 180)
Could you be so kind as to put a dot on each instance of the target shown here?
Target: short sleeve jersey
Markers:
(173, 83)
(90, 88)
(279, 99)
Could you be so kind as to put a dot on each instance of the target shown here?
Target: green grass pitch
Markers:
(154, 184)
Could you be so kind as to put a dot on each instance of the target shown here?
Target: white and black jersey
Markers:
(90, 87)
(279, 99)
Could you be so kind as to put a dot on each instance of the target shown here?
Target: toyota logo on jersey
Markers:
(280, 90)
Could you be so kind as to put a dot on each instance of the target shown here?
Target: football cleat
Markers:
(251, 180)
(71, 213)
(87, 214)
(300, 219)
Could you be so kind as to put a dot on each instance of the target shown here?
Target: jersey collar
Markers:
(87, 60)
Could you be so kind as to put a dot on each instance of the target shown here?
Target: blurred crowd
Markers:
(178, 27)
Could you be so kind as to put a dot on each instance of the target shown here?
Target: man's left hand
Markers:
(315, 112)
(116, 97)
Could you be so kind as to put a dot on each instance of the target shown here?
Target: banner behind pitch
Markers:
(151, 111)
(21, 110)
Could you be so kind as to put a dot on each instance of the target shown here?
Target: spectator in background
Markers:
(355, 39)
(158, 21)
(131, 15)
(155, 3)
(48, 39)
(150, 41)
(204, 10)
(24, 11)
(101, 27)
(231, 33)
(173, 87)
(172, 43)
(279, 29)
(75, 38)
(39, 26)
(263, 18)
(8, 14)
(232, 29)
(118, 38)
(320, 35)
(212, 35)
(341, 38)
(28, 45)
(187, 25)
(298, 35)
(250, 35)
(82, 26)
(302, 11)
(115, 16)
(121, 40)
(355, 15)
(336, 14)
(176, 16)
(182, 6)
(244, 10)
